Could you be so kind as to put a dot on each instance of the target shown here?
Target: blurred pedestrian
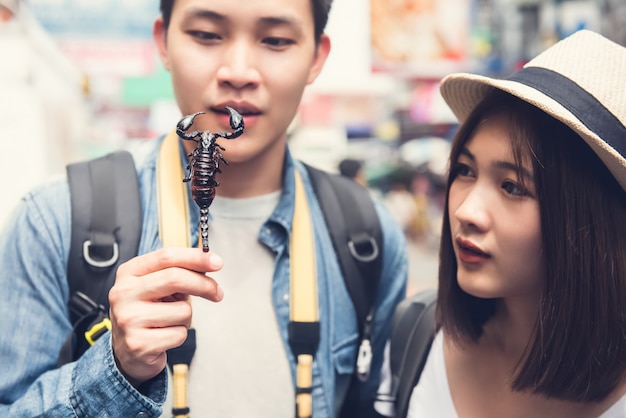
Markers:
(402, 205)
(353, 169)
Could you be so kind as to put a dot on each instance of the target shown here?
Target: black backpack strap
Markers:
(106, 228)
(356, 234)
(357, 239)
(412, 332)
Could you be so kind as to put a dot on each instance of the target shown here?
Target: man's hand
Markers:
(150, 307)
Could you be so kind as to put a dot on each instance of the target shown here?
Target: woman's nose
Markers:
(473, 209)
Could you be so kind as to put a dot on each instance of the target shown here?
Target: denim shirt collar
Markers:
(282, 217)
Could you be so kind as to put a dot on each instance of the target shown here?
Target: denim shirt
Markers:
(34, 251)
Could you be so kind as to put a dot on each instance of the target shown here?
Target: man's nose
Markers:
(239, 66)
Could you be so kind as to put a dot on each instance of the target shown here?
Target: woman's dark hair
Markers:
(320, 9)
(577, 350)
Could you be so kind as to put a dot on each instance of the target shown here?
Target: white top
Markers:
(240, 368)
(431, 397)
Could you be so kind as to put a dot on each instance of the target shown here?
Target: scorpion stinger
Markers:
(204, 164)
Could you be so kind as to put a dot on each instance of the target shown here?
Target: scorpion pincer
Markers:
(204, 164)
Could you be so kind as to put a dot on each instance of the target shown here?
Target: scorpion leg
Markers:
(189, 174)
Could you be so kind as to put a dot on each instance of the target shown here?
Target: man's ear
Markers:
(321, 53)
(159, 33)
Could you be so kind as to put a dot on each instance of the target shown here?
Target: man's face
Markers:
(255, 56)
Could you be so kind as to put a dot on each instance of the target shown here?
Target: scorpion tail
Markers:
(204, 228)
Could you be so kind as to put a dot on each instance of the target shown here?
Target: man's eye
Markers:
(278, 42)
(204, 36)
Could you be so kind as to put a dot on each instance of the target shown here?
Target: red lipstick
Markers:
(469, 253)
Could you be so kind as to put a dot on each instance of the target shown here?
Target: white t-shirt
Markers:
(431, 397)
(240, 368)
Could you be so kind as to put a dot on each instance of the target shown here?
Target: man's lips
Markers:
(249, 113)
(243, 108)
(469, 252)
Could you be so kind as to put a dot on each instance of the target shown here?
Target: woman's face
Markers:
(494, 218)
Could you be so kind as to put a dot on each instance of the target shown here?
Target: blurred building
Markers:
(377, 99)
(43, 111)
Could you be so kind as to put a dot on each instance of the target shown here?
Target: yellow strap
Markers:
(172, 195)
(303, 307)
(303, 284)
(174, 232)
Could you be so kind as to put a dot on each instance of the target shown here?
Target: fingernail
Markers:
(216, 260)
(219, 293)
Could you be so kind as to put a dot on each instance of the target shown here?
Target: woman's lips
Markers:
(469, 253)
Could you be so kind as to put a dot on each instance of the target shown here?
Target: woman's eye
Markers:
(514, 189)
(461, 169)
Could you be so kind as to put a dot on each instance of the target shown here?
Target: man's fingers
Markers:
(150, 315)
(160, 275)
(188, 258)
(166, 283)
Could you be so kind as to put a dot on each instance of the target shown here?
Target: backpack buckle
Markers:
(363, 247)
(100, 264)
(364, 360)
(96, 331)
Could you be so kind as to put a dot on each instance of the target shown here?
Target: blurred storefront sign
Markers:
(97, 18)
(111, 37)
(110, 56)
(419, 38)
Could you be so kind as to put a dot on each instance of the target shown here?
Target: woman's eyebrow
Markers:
(500, 165)
(506, 165)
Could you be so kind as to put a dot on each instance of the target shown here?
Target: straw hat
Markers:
(580, 81)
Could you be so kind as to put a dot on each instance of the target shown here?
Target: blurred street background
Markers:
(81, 78)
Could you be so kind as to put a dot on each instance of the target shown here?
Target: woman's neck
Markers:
(511, 328)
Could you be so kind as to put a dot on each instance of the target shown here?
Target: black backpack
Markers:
(412, 332)
(106, 228)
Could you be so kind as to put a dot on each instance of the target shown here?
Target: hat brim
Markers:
(463, 92)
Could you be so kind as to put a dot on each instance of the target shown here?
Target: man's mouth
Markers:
(244, 109)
